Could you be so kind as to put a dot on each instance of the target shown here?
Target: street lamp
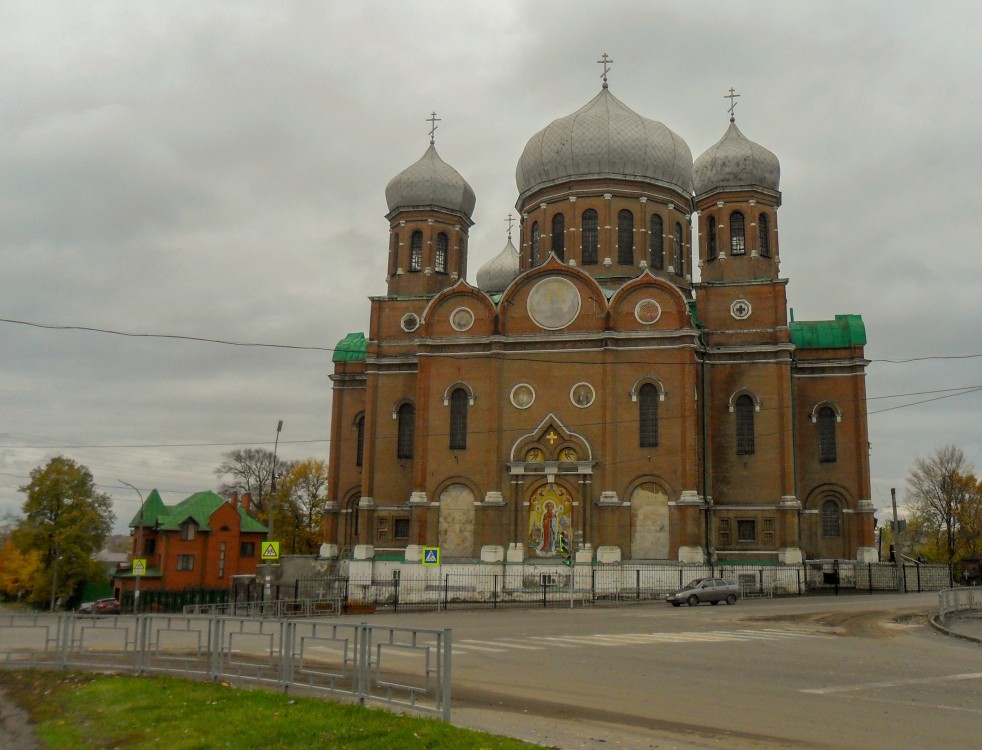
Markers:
(139, 548)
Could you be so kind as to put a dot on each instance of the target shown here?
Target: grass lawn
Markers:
(75, 710)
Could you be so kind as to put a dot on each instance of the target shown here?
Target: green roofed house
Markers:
(201, 542)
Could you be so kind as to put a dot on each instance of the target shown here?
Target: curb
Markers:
(936, 624)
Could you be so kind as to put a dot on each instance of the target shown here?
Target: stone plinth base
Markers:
(692, 555)
(492, 553)
(790, 556)
(608, 553)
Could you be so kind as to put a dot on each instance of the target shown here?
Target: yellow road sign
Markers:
(271, 551)
(140, 567)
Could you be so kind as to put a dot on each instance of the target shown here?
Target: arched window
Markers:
(831, 528)
(458, 419)
(360, 444)
(764, 230)
(407, 431)
(744, 409)
(534, 243)
(648, 415)
(826, 434)
(591, 237)
(711, 251)
(442, 249)
(679, 258)
(394, 254)
(625, 237)
(656, 243)
(559, 236)
(416, 251)
(738, 234)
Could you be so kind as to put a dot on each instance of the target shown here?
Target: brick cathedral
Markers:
(584, 393)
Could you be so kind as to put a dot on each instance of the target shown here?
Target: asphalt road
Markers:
(851, 673)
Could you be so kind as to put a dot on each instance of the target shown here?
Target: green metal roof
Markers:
(352, 348)
(198, 507)
(844, 331)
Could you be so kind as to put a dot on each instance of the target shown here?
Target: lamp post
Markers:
(139, 548)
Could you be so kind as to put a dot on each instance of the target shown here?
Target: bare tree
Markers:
(249, 470)
(939, 488)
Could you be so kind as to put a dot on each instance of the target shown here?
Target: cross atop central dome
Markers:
(604, 138)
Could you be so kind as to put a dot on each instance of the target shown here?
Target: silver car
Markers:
(712, 590)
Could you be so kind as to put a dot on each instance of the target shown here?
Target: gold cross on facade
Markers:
(433, 120)
(552, 437)
(732, 96)
(606, 62)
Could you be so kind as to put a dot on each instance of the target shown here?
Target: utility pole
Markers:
(138, 553)
(897, 554)
(268, 589)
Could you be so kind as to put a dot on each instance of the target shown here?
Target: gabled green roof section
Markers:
(352, 348)
(843, 332)
(198, 508)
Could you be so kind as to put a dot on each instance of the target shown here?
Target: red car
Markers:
(106, 607)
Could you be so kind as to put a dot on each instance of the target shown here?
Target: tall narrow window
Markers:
(416, 252)
(534, 243)
(442, 249)
(679, 258)
(625, 237)
(745, 426)
(830, 520)
(738, 234)
(360, 445)
(394, 254)
(458, 419)
(591, 237)
(711, 251)
(826, 435)
(648, 415)
(407, 431)
(559, 236)
(656, 243)
(764, 229)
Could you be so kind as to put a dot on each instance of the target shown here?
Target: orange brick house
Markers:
(201, 542)
(587, 388)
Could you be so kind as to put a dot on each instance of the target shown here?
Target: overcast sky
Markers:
(217, 170)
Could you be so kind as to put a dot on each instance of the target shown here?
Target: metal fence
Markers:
(271, 608)
(965, 599)
(404, 667)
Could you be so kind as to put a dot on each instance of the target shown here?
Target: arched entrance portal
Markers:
(649, 522)
(457, 521)
(550, 525)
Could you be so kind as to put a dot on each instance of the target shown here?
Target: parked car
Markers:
(108, 606)
(712, 590)
(86, 608)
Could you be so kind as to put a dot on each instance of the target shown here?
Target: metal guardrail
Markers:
(408, 668)
(965, 599)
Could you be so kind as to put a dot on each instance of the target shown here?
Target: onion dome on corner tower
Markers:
(502, 269)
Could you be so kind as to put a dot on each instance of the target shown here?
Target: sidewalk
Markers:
(966, 625)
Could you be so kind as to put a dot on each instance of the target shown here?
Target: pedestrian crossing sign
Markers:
(140, 567)
(431, 555)
(271, 551)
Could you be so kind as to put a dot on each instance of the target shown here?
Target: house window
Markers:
(185, 562)
(394, 255)
(679, 259)
(648, 415)
(831, 528)
(535, 242)
(360, 444)
(221, 560)
(746, 531)
(400, 528)
(416, 252)
(442, 248)
(656, 243)
(711, 251)
(738, 235)
(149, 547)
(764, 230)
(625, 237)
(559, 236)
(769, 530)
(724, 532)
(247, 549)
(591, 237)
(745, 426)
(458, 419)
(187, 530)
(407, 431)
(826, 435)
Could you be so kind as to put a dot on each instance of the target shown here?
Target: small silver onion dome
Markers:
(500, 271)
(736, 161)
(605, 138)
(430, 182)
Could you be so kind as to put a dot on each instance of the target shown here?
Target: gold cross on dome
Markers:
(606, 62)
(433, 120)
(732, 96)
(510, 220)
(552, 437)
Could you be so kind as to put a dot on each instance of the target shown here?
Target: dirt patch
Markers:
(853, 623)
(15, 728)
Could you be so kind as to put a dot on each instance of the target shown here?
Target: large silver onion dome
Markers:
(500, 271)
(602, 139)
(736, 161)
(430, 182)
